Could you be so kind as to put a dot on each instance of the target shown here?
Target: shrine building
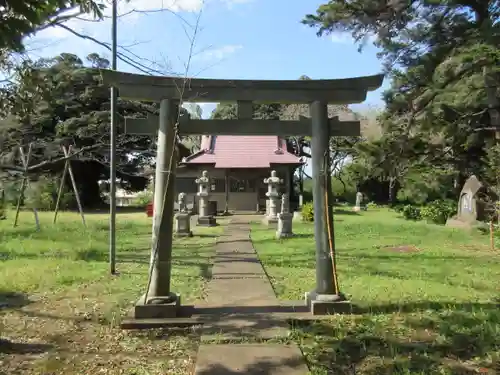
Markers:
(237, 166)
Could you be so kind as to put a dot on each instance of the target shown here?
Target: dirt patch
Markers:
(402, 248)
(62, 334)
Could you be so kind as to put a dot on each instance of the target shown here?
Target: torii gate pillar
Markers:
(160, 302)
(326, 297)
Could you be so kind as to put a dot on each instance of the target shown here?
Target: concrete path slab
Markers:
(253, 359)
(240, 306)
(241, 327)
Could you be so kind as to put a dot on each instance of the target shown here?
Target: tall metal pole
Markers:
(112, 149)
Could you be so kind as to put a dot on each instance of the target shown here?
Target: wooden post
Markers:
(37, 221)
(226, 188)
(492, 235)
(166, 162)
(73, 182)
(25, 160)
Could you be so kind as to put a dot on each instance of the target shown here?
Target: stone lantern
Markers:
(272, 194)
(204, 219)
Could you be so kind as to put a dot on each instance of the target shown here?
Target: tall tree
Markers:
(62, 101)
(435, 52)
(20, 19)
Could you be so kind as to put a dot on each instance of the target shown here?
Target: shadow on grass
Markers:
(13, 299)
(282, 240)
(444, 338)
(305, 259)
(205, 235)
(426, 306)
(9, 347)
(341, 211)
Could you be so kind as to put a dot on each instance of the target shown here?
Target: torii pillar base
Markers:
(166, 314)
(158, 307)
(327, 304)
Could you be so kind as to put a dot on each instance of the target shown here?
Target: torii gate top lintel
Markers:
(157, 88)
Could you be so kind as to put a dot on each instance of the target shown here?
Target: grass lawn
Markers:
(59, 307)
(429, 311)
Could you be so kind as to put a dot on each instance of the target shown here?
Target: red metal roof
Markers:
(237, 151)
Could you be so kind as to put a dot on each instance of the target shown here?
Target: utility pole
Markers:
(112, 149)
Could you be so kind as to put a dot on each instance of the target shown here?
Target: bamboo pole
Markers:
(61, 186)
(25, 160)
(72, 178)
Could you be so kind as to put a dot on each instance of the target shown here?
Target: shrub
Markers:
(42, 195)
(398, 208)
(372, 205)
(438, 211)
(143, 198)
(411, 212)
(308, 211)
(3, 214)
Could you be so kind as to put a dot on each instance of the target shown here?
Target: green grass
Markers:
(432, 311)
(62, 301)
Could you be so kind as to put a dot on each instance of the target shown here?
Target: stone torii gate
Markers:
(170, 91)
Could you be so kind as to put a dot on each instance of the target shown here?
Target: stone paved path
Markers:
(237, 299)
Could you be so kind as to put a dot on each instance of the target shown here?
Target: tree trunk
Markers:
(392, 190)
(87, 175)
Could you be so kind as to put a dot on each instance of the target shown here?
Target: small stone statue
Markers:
(359, 201)
(204, 219)
(182, 218)
(181, 200)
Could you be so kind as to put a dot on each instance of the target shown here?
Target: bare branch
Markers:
(122, 57)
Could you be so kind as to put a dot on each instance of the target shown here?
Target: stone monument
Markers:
(284, 219)
(359, 201)
(183, 218)
(470, 211)
(204, 219)
(272, 194)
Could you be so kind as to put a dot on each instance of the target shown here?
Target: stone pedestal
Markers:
(272, 194)
(284, 219)
(206, 221)
(182, 218)
(183, 224)
(204, 218)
